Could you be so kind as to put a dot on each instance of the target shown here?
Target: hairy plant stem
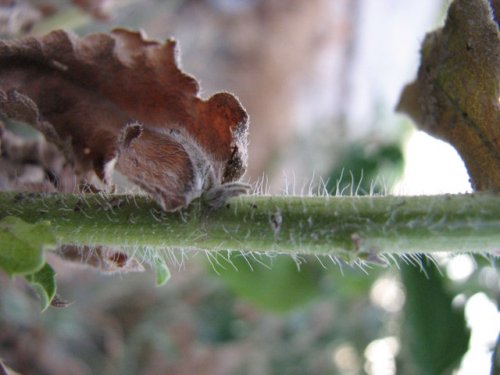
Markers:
(349, 227)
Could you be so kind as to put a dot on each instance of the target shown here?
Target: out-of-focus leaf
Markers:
(22, 245)
(456, 94)
(118, 99)
(435, 335)
(350, 282)
(276, 286)
(44, 283)
(366, 171)
(162, 272)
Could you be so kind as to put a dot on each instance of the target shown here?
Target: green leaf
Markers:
(275, 284)
(44, 283)
(360, 167)
(22, 245)
(162, 272)
(435, 335)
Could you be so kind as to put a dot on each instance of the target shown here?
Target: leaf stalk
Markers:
(346, 227)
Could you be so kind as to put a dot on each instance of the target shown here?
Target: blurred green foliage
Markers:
(366, 169)
(22, 253)
(275, 284)
(44, 284)
(22, 245)
(435, 335)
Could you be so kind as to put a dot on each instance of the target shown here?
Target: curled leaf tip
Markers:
(456, 94)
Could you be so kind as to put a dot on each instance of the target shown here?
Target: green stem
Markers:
(339, 226)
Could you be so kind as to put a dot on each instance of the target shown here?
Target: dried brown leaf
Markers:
(456, 96)
(119, 99)
(18, 16)
(32, 165)
(97, 8)
(105, 259)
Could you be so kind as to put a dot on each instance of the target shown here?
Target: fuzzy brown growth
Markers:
(82, 93)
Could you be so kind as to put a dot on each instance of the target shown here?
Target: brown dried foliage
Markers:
(120, 100)
(105, 259)
(456, 96)
(32, 165)
(96, 8)
(19, 16)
